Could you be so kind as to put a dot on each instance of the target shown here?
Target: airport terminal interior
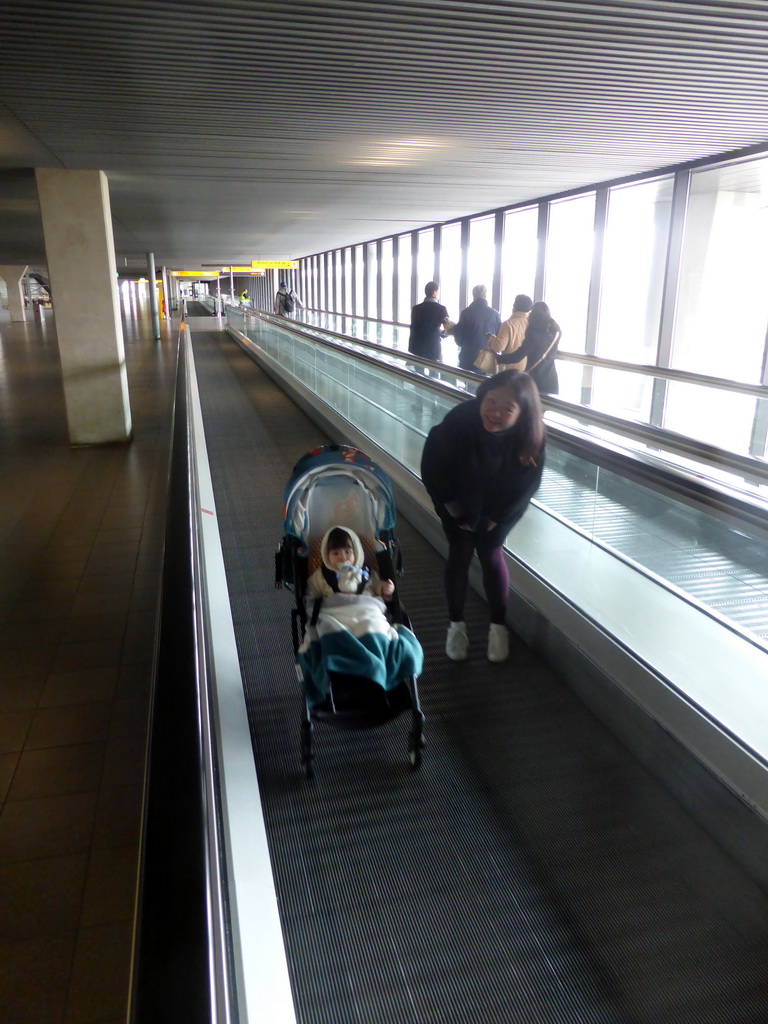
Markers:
(573, 835)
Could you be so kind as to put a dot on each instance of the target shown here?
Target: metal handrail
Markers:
(643, 369)
(748, 467)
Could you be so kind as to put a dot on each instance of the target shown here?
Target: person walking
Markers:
(539, 349)
(481, 466)
(286, 300)
(476, 321)
(244, 299)
(509, 336)
(428, 318)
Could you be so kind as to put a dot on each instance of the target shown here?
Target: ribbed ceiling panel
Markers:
(233, 130)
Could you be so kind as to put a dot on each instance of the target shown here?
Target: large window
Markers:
(723, 299)
(317, 273)
(403, 313)
(325, 277)
(358, 280)
(568, 268)
(336, 281)
(450, 268)
(518, 256)
(633, 266)
(372, 267)
(426, 260)
(722, 307)
(387, 266)
(481, 255)
(348, 280)
(634, 259)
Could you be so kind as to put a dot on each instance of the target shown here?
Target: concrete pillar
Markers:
(77, 226)
(152, 275)
(13, 275)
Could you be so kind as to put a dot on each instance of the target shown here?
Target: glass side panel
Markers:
(627, 395)
(634, 260)
(717, 563)
(570, 241)
(716, 417)
(736, 423)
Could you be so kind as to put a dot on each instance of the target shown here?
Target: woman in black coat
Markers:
(542, 336)
(481, 466)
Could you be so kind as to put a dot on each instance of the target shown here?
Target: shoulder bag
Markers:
(485, 361)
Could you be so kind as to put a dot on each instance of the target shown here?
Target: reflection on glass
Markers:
(518, 256)
(634, 258)
(723, 300)
(569, 265)
(627, 395)
(715, 417)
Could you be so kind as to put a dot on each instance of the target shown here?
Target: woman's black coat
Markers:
(536, 346)
(473, 475)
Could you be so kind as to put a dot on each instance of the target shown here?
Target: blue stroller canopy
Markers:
(336, 484)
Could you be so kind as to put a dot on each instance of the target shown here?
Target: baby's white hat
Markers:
(356, 545)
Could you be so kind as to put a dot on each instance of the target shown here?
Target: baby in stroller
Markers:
(349, 636)
(344, 570)
(356, 656)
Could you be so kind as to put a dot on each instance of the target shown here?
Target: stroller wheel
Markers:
(307, 754)
(415, 747)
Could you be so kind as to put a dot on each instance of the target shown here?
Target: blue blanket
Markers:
(353, 637)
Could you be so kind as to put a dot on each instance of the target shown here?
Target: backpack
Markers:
(287, 301)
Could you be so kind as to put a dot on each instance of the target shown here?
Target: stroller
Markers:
(331, 485)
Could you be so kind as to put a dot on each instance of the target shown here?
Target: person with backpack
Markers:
(286, 300)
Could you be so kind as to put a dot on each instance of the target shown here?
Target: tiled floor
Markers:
(81, 533)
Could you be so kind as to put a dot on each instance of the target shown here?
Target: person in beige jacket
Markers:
(512, 332)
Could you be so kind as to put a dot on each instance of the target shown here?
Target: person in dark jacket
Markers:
(539, 349)
(481, 466)
(477, 320)
(427, 321)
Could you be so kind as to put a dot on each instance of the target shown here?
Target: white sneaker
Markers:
(457, 642)
(498, 643)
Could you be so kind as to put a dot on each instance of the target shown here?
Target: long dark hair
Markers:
(540, 317)
(529, 429)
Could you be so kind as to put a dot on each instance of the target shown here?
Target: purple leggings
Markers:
(462, 544)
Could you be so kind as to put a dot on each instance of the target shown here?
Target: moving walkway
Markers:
(534, 869)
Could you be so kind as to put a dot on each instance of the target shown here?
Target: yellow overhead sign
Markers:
(194, 273)
(241, 270)
(275, 264)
